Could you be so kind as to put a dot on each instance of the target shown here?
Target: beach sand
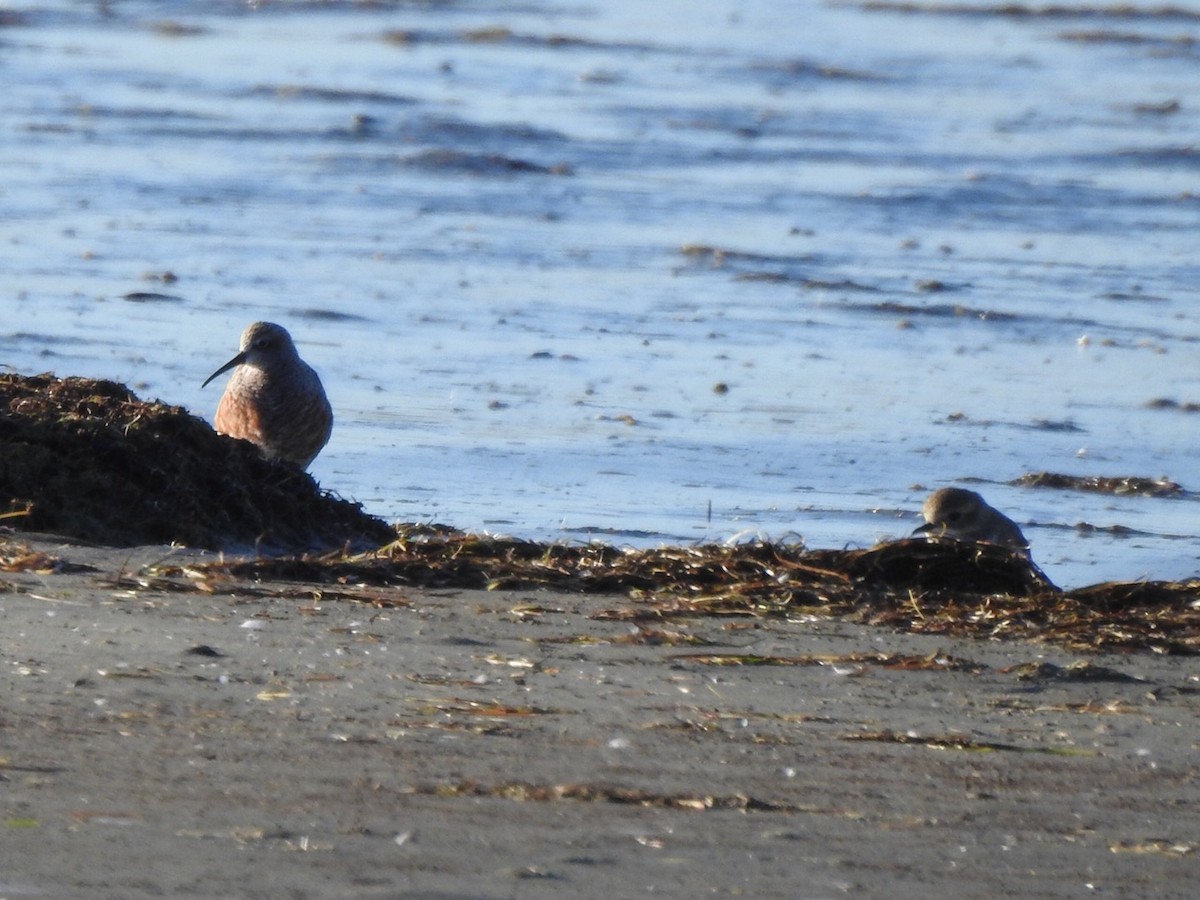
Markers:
(264, 740)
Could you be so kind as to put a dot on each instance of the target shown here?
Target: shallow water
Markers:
(673, 274)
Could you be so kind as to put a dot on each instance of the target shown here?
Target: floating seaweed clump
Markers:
(1124, 484)
(88, 459)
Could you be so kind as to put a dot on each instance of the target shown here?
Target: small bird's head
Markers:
(965, 516)
(262, 343)
(951, 508)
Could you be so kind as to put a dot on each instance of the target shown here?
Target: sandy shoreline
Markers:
(505, 744)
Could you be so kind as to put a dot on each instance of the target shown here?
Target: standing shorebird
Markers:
(965, 516)
(274, 399)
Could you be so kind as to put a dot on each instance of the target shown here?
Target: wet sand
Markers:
(259, 741)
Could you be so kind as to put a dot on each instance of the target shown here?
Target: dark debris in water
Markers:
(935, 587)
(329, 95)
(1168, 403)
(939, 311)
(88, 459)
(173, 29)
(151, 297)
(1098, 484)
(748, 266)
(1042, 11)
(1161, 44)
(1063, 425)
(719, 257)
(319, 314)
(502, 34)
(479, 163)
(797, 69)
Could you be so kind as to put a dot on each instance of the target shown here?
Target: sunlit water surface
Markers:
(655, 273)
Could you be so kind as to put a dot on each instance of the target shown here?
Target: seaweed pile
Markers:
(1098, 484)
(935, 587)
(88, 459)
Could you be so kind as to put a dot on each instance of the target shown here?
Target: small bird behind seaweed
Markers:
(274, 398)
(965, 516)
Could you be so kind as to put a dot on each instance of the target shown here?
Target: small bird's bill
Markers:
(236, 361)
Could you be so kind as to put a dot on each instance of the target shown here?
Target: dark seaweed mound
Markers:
(90, 460)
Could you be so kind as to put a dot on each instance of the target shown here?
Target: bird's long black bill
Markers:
(236, 361)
